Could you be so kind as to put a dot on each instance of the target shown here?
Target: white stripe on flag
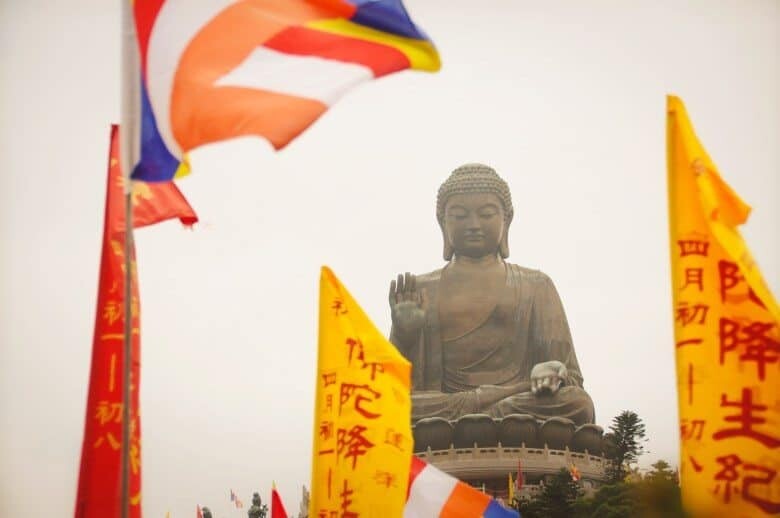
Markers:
(325, 80)
(176, 25)
(429, 492)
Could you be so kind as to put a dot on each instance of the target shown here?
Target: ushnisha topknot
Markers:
(474, 178)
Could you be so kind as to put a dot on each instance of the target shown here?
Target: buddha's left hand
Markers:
(547, 377)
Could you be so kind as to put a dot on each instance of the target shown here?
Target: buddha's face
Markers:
(474, 224)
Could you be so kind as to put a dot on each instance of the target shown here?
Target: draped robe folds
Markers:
(489, 373)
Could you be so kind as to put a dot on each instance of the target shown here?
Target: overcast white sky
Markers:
(565, 99)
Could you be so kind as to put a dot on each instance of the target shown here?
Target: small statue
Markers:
(206, 512)
(304, 510)
(258, 509)
(484, 336)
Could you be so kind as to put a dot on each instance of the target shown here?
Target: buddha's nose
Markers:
(473, 222)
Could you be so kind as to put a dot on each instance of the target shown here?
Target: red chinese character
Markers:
(375, 367)
(767, 506)
(689, 341)
(394, 439)
(691, 430)
(746, 419)
(759, 346)
(338, 307)
(347, 391)
(346, 502)
(352, 443)
(329, 403)
(326, 430)
(355, 343)
(329, 378)
(694, 276)
(731, 278)
(693, 247)
(385, 478)
(728, 474)
(695, 314)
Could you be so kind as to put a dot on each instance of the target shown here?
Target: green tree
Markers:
(659, 493)
(627, 435)
(661, 471)
(619, 500)
(557, 499)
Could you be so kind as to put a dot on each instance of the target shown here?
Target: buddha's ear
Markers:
(503, 247)
(447, 245)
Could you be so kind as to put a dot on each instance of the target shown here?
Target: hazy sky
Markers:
(565, 99)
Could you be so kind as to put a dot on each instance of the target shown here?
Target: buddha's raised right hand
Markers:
(407, 306)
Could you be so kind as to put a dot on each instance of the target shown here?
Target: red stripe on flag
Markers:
(416, 469)
(145, 13)
(303, 41)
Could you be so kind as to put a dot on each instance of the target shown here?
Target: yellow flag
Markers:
(727, 338)
(511, 488)
(362, 435)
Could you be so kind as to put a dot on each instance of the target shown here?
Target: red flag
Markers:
(99, 477)
(277, 508)
(575, 473)
(519, 481)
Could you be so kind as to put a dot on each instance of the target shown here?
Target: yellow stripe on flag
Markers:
(362, 435)
(422, 54)
(727, 340)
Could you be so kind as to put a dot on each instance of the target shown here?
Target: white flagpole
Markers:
(128, 149)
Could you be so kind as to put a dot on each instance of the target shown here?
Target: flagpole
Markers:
(128, 154)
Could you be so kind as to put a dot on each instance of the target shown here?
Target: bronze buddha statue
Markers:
(484, 336)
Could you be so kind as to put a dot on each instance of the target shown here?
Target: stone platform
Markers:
(482, 450)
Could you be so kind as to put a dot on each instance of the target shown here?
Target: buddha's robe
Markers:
(487, 369)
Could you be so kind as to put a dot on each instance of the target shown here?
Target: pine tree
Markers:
(628, 434)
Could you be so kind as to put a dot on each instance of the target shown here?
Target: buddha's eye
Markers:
(487, 213)
(457, 214)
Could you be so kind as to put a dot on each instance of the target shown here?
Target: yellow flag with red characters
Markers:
(362, 434)
(727, 334)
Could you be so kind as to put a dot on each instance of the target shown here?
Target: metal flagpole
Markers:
(128, 149)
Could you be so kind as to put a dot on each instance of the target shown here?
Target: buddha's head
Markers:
(474, 209)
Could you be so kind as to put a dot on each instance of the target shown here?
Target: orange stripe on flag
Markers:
(465, 501)
(231, 111)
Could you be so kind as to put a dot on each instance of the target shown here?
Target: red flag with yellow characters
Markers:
(362, 432)
(727, 334)
(99, 477)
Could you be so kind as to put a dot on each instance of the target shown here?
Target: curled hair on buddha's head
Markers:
(471, 179)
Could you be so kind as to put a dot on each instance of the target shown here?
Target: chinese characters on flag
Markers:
(727, 333)
(362, 434)
(99, 476)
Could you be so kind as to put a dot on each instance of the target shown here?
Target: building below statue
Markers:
(483, 451)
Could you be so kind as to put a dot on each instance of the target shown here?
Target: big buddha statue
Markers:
(484, 336)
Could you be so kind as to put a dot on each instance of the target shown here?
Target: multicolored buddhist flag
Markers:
(217, 69)
(99, 476)
(362, 433)
(434, 493)
(727, 333)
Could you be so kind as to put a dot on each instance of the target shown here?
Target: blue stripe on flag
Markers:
(495, 510)
(388, 16)
(157, 164)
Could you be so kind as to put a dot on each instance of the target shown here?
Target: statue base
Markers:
(483, 451)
